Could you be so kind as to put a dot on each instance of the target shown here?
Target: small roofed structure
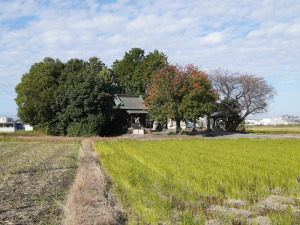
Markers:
(134, 109)
(212, 120)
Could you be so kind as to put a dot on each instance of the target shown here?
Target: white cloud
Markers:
(252, 36)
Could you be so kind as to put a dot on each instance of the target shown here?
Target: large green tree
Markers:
(35, 92)
(84, 98)
(74, 98)
(134, 72)
(180, 93)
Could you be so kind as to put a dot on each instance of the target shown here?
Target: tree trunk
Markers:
(208, 124)
(178, 127)
(194, 126)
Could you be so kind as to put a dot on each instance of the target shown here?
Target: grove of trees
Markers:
(72, 98)
(76, 98)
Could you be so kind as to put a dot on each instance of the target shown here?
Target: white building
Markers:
(27, 127)
(8, 125)
(284, 120)
(201, 123)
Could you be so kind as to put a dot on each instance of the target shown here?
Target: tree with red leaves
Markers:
(180, 93)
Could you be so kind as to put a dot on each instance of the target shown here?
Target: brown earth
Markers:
(35, 180)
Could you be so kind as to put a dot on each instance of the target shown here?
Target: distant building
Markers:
(27, 127)
(285, 117)
(8, 125)
(284, 120)
(290, 118)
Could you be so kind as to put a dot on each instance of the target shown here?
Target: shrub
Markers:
(171, 133)
(118, 124)
(81, 129)
(182, 132)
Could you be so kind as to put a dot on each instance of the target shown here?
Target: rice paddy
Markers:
(280, 129)
(198, 181)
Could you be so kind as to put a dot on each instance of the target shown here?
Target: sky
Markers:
(260, 37)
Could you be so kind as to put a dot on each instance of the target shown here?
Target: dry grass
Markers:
(90, 200)
(34, 181)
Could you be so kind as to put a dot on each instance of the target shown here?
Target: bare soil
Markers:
(34, 181)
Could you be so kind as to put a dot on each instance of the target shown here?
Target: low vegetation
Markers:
(193, 181)
(280, 129)
(35, 178)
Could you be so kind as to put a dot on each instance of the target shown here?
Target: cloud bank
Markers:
(260, 37)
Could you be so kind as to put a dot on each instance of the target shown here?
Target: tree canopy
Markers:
(76, 98)
(240, 95)
(134, 72)
(180, 93)
(35, 92)
(73, 98)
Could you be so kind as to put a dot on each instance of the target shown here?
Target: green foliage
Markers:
(163, 180)
(35, 92)
(74, 98)
(185, 132)
(231, 110)
(118, 124)
(134, 72)
(284, 129)
(171, 133)
(27, 132)
(84, 96)
(81, 129)
(4, 138)
(180, 94)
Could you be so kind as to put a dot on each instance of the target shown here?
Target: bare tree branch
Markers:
(250, 93)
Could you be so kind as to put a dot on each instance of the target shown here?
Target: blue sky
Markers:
(260, 37)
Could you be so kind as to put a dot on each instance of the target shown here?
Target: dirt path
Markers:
(90, 200)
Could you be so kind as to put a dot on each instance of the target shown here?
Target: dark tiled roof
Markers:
(140, 111)
(129, 102)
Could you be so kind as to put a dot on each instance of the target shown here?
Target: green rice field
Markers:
(201, 181)
(280, 129)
